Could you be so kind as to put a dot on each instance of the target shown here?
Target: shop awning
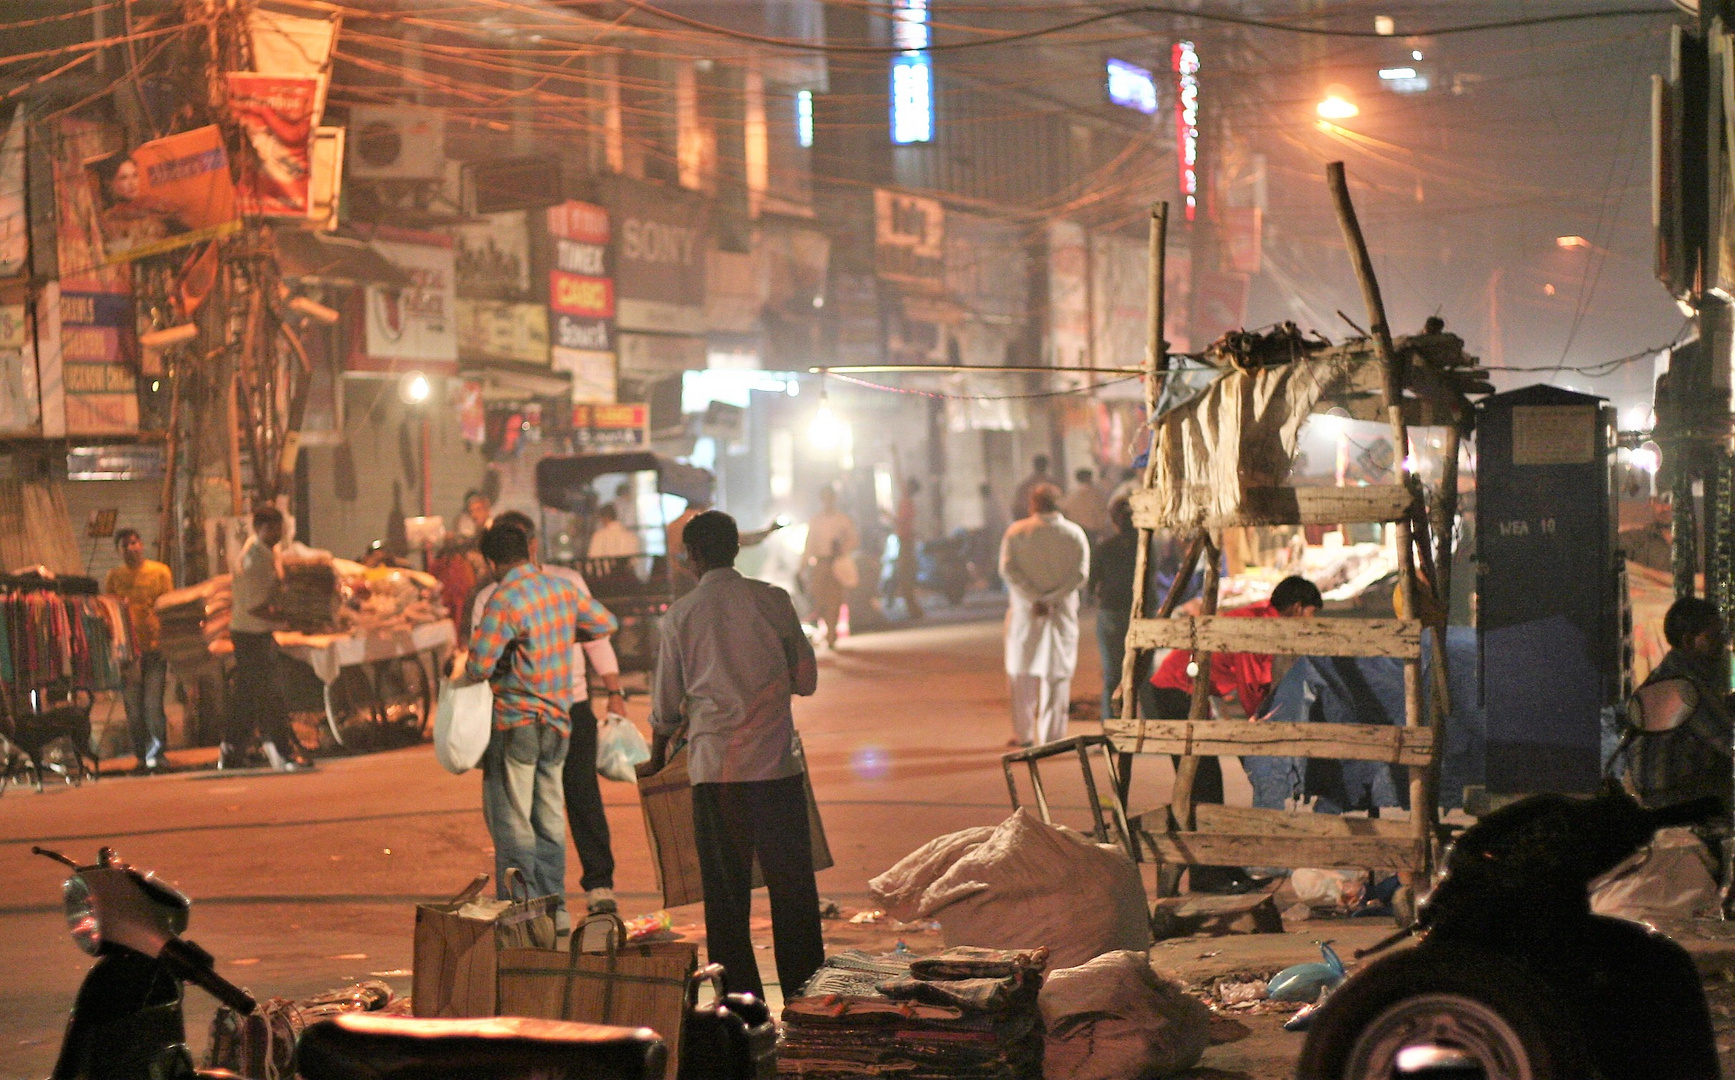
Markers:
(312, 258)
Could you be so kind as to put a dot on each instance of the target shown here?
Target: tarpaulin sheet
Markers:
(1240, 433)
(1370, 690)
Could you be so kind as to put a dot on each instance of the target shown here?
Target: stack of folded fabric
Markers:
(309, 598)
(192, 619)
(963, 1012)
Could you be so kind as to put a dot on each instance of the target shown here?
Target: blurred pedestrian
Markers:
(256, 706)
(585, 816)
(1112, 570)
(1086, 506)
(1045, 560)
(732, 653)
(612, 539)
(138, 582)
(1038, 475)
(473, 519)
(523, 649)
(829, 556)
(907, 571)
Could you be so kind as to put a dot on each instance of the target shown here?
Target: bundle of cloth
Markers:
(193, 619)
(309, 599)
(963, 1012)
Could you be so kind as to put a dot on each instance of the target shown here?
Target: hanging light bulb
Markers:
(826, 431)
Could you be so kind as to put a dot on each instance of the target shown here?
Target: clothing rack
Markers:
(59, 635)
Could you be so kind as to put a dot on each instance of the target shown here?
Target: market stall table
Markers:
(329, 654)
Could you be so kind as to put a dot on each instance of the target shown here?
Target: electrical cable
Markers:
(1141, 9)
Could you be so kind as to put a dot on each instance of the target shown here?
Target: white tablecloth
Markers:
(328, 654)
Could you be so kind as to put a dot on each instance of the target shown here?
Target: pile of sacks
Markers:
(1022, 884)
(962, 1013)
(1048, 891)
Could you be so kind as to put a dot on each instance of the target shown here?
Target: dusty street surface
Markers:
(303, 882)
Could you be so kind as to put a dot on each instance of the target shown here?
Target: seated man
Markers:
(1693, 759)
(1239, 683)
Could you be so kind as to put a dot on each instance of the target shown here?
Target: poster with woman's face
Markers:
(167, 193)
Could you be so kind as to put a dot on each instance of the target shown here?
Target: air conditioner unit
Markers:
(517, 183)
(394, 143)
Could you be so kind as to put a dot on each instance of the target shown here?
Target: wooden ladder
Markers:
(1183, 833)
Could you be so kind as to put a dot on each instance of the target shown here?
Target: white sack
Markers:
(1031, 885)
(899, 890)
(463, 724)
(1117, 1019)
(1671, 880)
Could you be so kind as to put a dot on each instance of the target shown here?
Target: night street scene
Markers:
(867, 540)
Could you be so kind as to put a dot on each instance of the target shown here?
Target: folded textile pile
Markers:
(309, 598)
(964, 1012)
(191, 619)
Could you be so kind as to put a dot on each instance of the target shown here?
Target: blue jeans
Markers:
(1111, 645)
(143, 696)
(524, 803)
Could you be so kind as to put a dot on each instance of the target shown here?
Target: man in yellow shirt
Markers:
(138, 582)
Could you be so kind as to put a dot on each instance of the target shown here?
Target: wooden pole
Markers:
(166, 525)
(1182, 798)
(1156, 362)
(1446, 513)
(1391, 397)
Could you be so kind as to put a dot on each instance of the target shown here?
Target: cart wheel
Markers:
(349, 701)
(405, 695)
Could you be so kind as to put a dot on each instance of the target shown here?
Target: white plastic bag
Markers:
(619, 747)
(1668, 880)
(463, 726)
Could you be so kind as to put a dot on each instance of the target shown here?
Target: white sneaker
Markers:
(278, 762)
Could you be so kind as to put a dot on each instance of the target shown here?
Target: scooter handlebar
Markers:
(195, 965)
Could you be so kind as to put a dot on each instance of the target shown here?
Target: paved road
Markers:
(303, 882)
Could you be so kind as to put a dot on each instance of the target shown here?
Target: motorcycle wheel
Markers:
(1485, 1007)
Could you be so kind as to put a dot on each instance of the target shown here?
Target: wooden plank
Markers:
(1293, 506)
(1230, 849)
(1408, 746)
(1247, 821)
(1400, 638)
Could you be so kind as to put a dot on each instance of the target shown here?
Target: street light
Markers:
(414, 388)
(826, 431)
(1337, 105)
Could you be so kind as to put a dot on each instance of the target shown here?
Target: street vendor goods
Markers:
(973, 1014)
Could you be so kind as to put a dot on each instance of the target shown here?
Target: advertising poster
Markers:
(499, 330)
(581, 298)
(168, 193)
(660, 240)
(611, 427)
(95, 343)
(276, 114)
(414, 327)
(79, 257)
(20, 408)
(493, 257)
(594, 379)
(14, 224)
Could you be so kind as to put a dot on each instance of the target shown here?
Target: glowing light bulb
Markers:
(1336, 107)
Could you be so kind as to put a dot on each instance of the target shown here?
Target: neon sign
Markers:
(1132, 86)
(1186, 62)
(912, 88)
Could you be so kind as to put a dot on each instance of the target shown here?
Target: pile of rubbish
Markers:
(962, 1012)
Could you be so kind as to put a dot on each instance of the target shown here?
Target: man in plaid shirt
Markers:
(523, 648)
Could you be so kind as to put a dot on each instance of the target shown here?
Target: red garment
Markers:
(1243, 675)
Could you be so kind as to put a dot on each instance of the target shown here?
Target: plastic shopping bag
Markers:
(463, 726)
(619, 747)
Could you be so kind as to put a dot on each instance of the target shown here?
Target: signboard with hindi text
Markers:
(611, 427)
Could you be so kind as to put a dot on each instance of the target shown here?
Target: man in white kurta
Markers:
(1045, 560)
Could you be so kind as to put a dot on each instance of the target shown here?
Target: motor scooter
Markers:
(1514, 978)
(126, 1023)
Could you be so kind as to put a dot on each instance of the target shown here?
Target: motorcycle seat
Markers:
(364, 1046)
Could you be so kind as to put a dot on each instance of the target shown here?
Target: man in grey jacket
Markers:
(732, 653)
